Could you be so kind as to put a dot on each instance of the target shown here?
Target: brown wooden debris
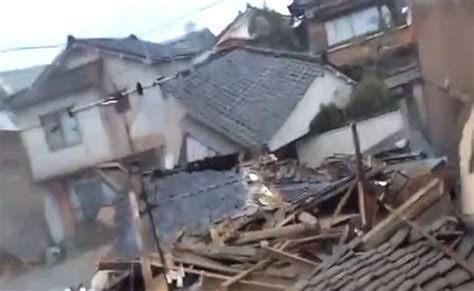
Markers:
(291, 231)
(413, 206)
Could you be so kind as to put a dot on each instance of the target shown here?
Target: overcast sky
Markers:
(48, 22)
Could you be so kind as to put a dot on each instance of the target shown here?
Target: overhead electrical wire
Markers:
(166, 24)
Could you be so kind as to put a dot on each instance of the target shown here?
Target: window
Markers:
(61, 130)
(353, 25)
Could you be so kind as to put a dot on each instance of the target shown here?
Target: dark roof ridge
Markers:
(283, 53)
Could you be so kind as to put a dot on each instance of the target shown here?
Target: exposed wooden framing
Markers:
(291, 231)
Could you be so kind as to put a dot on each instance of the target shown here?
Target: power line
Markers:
(166, 24)
(24, 48)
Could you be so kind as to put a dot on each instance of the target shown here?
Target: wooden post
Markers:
(140, 236)
(361, 182)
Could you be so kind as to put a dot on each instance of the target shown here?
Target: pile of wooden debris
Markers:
(280, 239)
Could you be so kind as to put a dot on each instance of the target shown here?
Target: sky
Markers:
(26, 23)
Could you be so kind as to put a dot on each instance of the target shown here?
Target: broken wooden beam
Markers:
(461, 261)
(342, 203)
(302, 264)
(217, 251)
(262, 264)
(290, 231)
(193, 259)
(411, 208)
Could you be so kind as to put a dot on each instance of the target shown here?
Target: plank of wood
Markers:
(460, 260)
(140, 237)
(259, 265)
(362, 203)
(189, 258)
(241, 275)
(302, 264)
(290, 231)
(412, 207)
(216, 251)
(327, 221)
(155, 261)
(342, 203)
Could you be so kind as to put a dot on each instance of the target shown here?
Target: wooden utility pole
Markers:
(361, 181)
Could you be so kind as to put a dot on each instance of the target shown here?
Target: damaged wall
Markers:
(23, 230)
(331, 86)
(312, 150)
(154, 121)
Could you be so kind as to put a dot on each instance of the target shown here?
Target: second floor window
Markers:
(355, 24)
(61, 130)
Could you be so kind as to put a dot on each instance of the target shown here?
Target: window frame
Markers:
(351, 18)
(57, 118)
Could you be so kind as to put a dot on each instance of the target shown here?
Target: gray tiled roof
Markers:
(12, 82)
(405, 262)
(247, 94)
(195, 200)
(186, 45)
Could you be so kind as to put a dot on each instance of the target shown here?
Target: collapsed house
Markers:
(289, 225)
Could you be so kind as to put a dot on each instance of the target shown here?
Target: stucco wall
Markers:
(95, 146)
(210, 138)
(323, 90)
(313, 149)
(23, 230)
(153, 121)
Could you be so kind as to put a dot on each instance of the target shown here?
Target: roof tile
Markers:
(246, 94)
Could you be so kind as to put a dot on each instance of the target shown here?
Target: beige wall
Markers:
(324, 89)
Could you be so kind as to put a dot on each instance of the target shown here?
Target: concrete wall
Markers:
(23, 230)
(153, 121)
(313, 149)
(445, 34)
(325, 89)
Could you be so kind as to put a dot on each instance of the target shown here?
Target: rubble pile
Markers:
(300, 219)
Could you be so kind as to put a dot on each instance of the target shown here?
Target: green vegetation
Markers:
(370, 97)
